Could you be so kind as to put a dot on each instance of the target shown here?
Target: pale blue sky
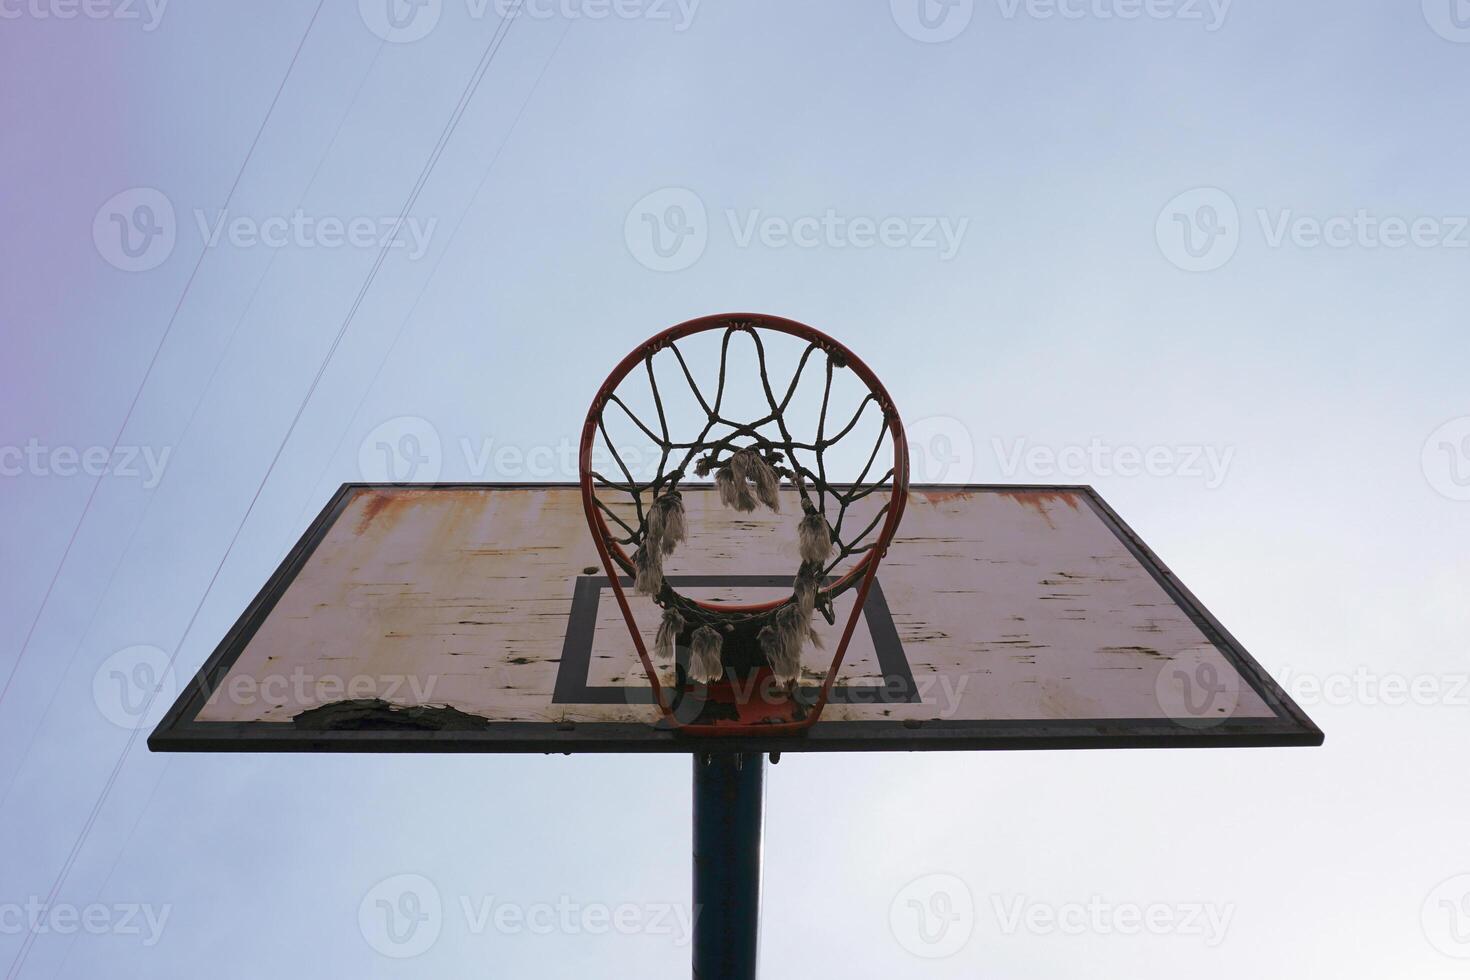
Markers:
(1061, 152)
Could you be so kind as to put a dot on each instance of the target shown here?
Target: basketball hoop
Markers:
(737, 665)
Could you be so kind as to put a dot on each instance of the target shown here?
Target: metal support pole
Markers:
(729, 817)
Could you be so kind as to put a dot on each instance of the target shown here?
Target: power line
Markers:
(474, 195)
(152, 363)
(428, 281)
(502, 30)
(34, 731)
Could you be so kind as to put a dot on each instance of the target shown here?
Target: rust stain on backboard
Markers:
(943, 496)
(373, 506)
(1040, 500)
(385, 511)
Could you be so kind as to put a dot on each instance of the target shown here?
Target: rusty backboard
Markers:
(475, 617)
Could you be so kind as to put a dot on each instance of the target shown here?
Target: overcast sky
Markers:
(1226, 238)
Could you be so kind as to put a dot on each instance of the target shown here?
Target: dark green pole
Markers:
(729, 818)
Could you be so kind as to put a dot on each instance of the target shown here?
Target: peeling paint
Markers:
(468, 592)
